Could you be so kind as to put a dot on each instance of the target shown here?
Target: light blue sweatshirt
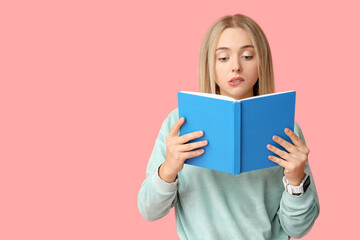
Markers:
(216, 205)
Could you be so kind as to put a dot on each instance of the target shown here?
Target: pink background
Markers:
(85, 86)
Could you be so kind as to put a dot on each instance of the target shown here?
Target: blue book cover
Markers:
(237, 131)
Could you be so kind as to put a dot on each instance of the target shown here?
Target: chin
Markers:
(240, 93)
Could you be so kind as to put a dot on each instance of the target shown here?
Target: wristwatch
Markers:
(297, 190)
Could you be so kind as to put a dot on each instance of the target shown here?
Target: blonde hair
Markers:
(265, 83)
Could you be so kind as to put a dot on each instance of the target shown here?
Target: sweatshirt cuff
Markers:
(296, 202)
(162, 185)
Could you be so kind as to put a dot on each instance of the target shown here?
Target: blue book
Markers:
(237, 131)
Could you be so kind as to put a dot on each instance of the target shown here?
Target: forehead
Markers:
(233, 37)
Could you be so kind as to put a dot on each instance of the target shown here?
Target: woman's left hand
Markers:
(294, 160)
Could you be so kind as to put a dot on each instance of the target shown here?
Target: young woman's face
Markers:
(235, 57)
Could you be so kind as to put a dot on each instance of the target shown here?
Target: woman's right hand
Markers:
(177, 151)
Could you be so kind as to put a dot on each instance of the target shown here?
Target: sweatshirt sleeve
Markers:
(297, 214)
(156, 197)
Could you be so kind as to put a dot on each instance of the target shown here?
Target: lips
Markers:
(236, 79)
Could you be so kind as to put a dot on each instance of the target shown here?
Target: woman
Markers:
(272, 203)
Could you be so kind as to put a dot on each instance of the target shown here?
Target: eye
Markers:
(222, 59)
(248, 57)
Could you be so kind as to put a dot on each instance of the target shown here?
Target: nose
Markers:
(236, 67)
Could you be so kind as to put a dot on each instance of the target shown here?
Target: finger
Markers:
(192, 146)
(279, 152)
(294, 138)
(194, 153)
(279, 161)
(190, 136)
(288, 146)
(176, 127)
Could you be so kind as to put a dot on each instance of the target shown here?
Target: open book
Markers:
(237, 131)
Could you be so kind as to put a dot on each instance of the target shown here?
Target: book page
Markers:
(265, 95)
(217, 96)
(210, 95)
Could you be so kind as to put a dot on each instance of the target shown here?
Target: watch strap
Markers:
(297, 190)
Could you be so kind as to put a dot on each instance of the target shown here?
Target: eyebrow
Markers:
(226, 48)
